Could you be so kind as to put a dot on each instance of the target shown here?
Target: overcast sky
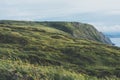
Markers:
(104, 14)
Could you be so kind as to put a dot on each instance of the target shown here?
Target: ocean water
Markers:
(116, 41)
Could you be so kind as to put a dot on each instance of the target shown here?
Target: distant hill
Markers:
(56, 51)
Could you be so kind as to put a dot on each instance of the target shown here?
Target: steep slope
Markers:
(37, 46)
(80, 30)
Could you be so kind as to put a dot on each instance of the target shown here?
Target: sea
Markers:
(116, 41)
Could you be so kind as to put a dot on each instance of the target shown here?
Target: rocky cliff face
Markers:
(89, 32)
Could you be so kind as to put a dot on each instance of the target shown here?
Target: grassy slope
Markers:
(37, 45)
(79, 30)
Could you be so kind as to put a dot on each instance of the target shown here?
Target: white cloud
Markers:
(102, 27)
(47, 9)
(60, 7)
(114, 12)
(108, 29)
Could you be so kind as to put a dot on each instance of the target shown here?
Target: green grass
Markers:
(25, 71)
(42, 51)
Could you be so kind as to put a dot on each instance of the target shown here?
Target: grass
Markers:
(25, 71)
(41, 51)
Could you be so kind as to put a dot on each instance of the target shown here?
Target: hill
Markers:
(55, 51)
(79, 30)
(76, 29)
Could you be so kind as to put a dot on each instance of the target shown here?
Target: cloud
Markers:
(115, 12)
(33, 8)
(56, 8)
(96, 11)
(108, 29)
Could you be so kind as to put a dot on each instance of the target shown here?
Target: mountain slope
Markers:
(79, 30)
(76, 29)
(42, 44)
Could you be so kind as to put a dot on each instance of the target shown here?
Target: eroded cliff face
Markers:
(105, 39)
(88, 31)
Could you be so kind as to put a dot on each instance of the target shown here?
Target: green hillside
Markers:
(56, 51)
(75, 29)
(79, 30)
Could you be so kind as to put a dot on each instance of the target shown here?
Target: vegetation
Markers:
(50, 51)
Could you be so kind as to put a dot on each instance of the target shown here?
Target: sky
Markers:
(103, 14)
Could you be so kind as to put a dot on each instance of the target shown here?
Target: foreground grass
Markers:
(17, 70)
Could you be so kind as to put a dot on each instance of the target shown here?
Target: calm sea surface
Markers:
(116, 41)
